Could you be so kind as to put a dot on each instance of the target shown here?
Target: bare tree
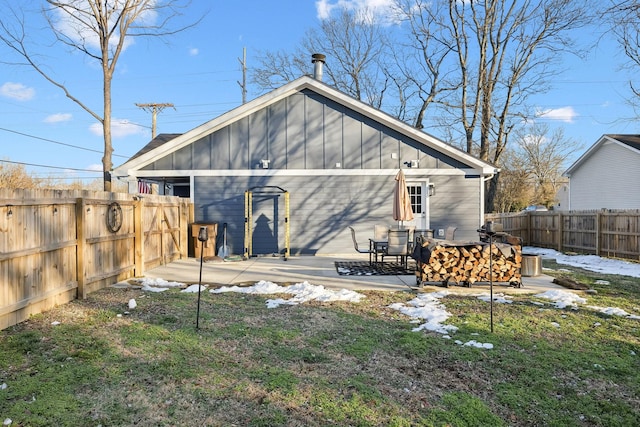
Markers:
(354, 44)
(422, 59)
(16, 176)
(624, 19)
(100, 31)
(506, 51)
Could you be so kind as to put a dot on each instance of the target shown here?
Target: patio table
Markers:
(376, 246)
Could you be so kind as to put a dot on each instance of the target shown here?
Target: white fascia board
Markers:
(305, 172)
(587, 154)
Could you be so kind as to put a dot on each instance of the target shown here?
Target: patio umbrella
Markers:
(401, 200)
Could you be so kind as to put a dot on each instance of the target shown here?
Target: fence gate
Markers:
(273, 192)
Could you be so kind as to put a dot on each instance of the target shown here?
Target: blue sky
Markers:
(198, 71)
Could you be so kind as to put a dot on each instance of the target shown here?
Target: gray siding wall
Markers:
(304, 131)
(607, 180)
(322, 207)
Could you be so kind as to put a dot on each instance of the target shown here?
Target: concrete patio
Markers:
(317, 270)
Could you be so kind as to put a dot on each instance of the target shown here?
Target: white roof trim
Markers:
(293, 87)
(595, 147)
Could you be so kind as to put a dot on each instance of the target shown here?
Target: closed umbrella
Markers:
(401, 200)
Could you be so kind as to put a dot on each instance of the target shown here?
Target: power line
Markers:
(50, 167)
(59, 143)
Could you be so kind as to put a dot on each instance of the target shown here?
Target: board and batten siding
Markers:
(607, 180)
(303, 131)
(338, 166)
(322, 207)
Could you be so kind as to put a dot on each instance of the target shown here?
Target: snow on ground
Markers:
(302, 292)
(588, 262)
(427, 309)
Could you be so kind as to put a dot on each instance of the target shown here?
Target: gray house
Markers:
(606, 176)
(337, 159)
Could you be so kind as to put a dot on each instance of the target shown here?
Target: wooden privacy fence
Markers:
(606, 233)
(58, 245)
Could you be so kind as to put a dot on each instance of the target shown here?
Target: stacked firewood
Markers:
(469, 262)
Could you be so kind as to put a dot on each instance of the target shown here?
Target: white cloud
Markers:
(367, 9)
(58, 117)
(194, 51)
(95, 167)
(563, 114)
(119, 128)
(17, 91)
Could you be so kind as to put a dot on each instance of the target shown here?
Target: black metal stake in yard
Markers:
(202, 237)
(491, 275)
(489, 230)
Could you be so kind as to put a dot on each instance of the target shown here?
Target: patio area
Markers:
(318, 270)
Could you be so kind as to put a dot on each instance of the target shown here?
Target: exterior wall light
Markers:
(432, 190)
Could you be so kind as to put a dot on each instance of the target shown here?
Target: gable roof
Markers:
(167, 143)
(631, 142)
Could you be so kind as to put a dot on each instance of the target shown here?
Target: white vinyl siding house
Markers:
(606, 176)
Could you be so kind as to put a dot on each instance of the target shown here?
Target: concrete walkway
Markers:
(317, 270)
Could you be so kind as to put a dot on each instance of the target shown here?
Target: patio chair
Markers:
(450, 232)
(398, 245)
(380, 232)
(355, 243)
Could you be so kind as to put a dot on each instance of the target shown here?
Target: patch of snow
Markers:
(588, 262)
(499, 298)
(562, 299)
(132, 304)
(427, 307)
(302, 292)
(194, 289)
(55, 323)
(602, 282)
(474, 343)
(555, 324)
(158, 285)
(7, 422)
(612, 311)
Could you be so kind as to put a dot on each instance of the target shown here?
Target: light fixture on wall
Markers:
(412, 163)
(265, 163)
(432, 190)
(9, 211)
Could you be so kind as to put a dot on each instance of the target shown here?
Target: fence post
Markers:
(138, 244)
(80, 247)
(560, 232)
(184, 229)
(598, 232)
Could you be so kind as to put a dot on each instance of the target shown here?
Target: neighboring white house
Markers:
(606, 176)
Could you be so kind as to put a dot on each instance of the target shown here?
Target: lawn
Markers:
(322, 364)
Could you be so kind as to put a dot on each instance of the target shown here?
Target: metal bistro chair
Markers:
(355, 245)
(398, 246)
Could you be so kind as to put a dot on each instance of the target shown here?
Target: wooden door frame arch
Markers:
(248, 218)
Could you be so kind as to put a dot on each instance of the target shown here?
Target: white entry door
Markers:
(418, 191)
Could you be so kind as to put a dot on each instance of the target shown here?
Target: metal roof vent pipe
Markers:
(318, 60)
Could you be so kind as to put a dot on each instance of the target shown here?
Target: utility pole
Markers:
(155, 108)
(243, 64)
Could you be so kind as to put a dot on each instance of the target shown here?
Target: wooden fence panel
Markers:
(56, 246)
(606, 233)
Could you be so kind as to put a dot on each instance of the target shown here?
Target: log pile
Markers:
(465, 263)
